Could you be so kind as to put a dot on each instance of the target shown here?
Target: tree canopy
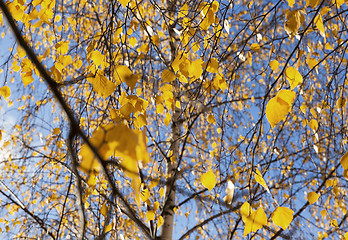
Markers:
(174, 119)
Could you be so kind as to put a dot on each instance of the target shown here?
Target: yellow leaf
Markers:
(124, 74)
(160, 221)
(293, 23)
(312, 62)
(313, 124)
(345, 172)
(215, 6)
(168, 76)
(5, 91)
(312, 197)
(282, 217)
(293, 76)
(27, 78)
(338, 2)
(211, 119)
(291, 3)
(319, 22)
(62, 47)
(312, 3)
(341, 103)
(279, 106)
(155, 206)
(255, 221)
(213, 66)
(208, 180)
(97, 58)
(150, 215)
(56, 131)
(259, 178)
(344, 161)
(333, 223)
(104, 210)
(132, 41)
(145, 194)
(108, 228)
(245, 211)
(124, 2)
(195, 69)
(101, 85)
(274, 64)
(255, 47)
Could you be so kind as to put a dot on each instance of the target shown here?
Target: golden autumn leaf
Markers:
(196, 69)
(293, 76)
(145, 194)
(124, 74)
(104, 210)
(168, 76)
(253, 220)
(312, 197)
(259, 179)
(312, 62)
(279, 106)
(5, 91)
(291, 3)
(294, 21)
(160, 221)
(344, 161)
(312, 3)
(211, 119)
(319, 23)
(102, 85)
(274, 64)
(122, 142)
(255, 47)
(124, 2)
(213, 66)
(208, 180)
(282, 217)
(97, 58)
(150, 215)
(313, 124)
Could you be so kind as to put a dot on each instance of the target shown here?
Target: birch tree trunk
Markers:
(170, 193)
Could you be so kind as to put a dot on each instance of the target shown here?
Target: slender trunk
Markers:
(170, 193)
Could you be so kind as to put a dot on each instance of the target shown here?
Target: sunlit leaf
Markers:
(5, 92)
(97, 58)
(254, 220)
(282, 217)
(279, 106)
(259, 179)
(211, 119)
(208, 180)
(293, 23)
(101, 85)
(255, 47)
(213, 65)
(274, 64)
(145, 194)
(150, 215)
(104, 210)
(293, 76)
(313, 124)
(168, 76)
(319, 23)
(344, 161)
(291, 3)
(312, 197)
